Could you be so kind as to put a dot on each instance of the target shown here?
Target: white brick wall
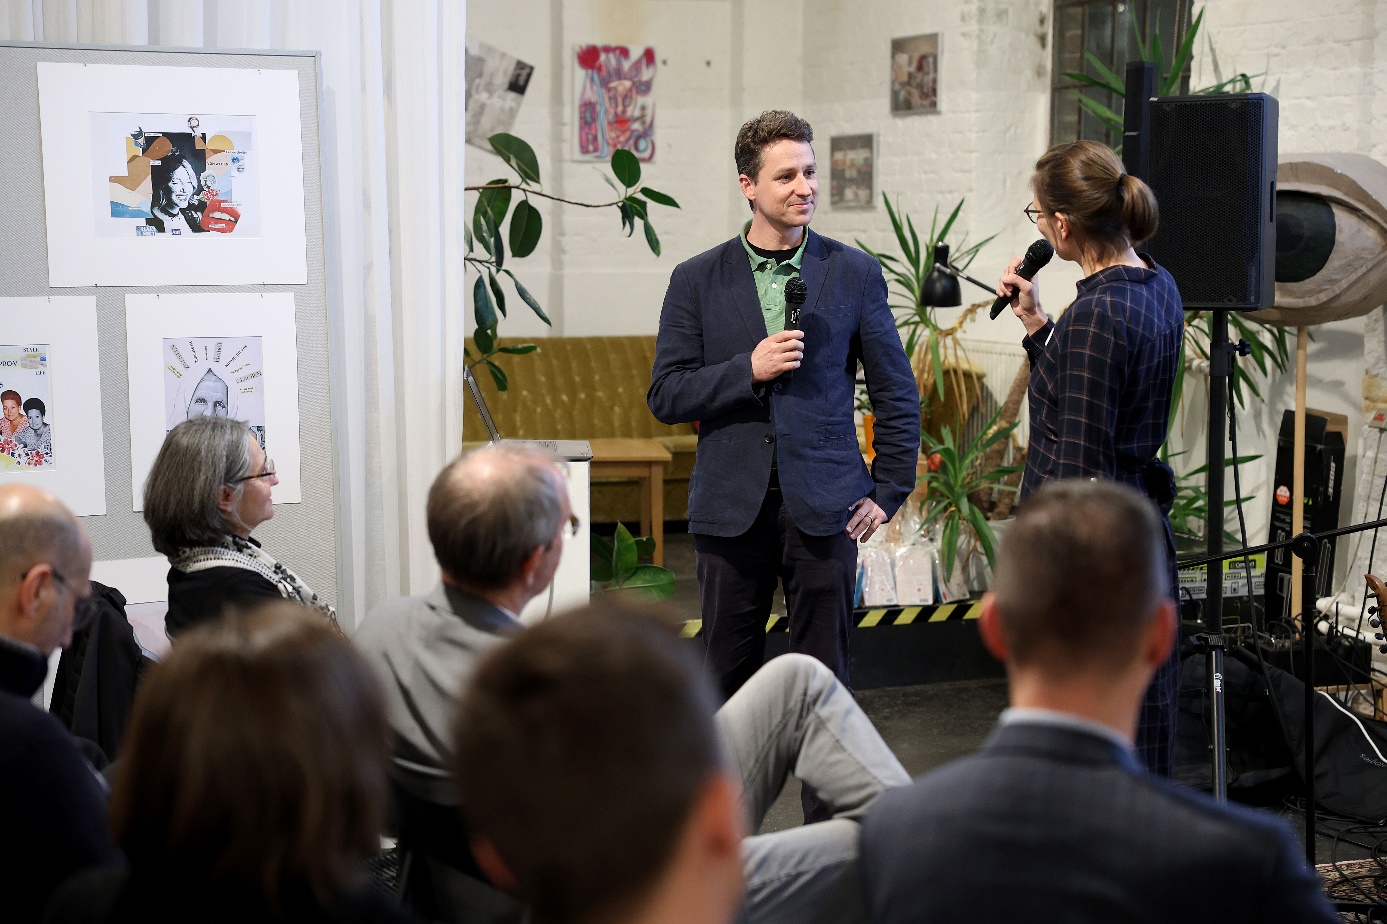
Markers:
(724, 60)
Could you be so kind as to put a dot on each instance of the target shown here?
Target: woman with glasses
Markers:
(207, 492)
(1102, 376)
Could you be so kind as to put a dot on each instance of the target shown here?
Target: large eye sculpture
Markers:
(1331, 239)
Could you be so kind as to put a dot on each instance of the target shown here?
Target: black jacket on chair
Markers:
(1056, 824)
(95, 683)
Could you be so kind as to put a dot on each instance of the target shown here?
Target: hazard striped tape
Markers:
(871, 618)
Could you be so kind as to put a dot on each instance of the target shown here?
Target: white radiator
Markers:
(999, 363)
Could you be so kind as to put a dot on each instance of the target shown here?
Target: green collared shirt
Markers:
(770, 280)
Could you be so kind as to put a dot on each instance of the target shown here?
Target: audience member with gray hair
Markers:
(497, 518)
(52, 803)
(208, 490)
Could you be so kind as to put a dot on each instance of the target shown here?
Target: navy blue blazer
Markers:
(710, 324)
(1054, 824)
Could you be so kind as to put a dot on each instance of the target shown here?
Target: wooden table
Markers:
(643, 460)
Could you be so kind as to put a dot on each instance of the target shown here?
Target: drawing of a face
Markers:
(182, 184)
(622, 117)
(210, 398)
(11, 410)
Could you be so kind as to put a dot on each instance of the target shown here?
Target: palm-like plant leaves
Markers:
(960, 475)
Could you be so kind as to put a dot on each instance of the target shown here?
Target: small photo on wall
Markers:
(26, 408)
(215, 377)
(174, 175)
(915, 74)
(851, 171)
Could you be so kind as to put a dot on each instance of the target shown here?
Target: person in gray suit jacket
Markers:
(760, 342)
(497, 518)
(1054, 819)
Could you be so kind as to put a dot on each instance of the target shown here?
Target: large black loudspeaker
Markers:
(1213, 169)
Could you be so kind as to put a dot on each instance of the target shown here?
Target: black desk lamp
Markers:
(941, 288)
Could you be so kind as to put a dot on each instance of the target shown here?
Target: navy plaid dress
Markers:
(1101, 386)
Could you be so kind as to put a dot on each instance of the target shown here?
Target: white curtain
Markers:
(392, 131)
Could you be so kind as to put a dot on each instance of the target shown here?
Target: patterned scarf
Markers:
(235, 552)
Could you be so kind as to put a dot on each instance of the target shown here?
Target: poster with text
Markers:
(215, 377)
(50, 399)
(496, 84)
(222, 355)
(615, 87)
(915, 74)
(158, 176)
(26, 407)
(174, 175)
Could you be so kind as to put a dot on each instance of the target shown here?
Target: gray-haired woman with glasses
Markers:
(207, 492)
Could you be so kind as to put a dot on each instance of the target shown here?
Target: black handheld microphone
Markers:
(795, 294)
(1037, 255)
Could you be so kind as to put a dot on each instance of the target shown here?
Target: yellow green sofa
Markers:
(585, 388)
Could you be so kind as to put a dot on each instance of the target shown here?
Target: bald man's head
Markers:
(489, 509)
(45, 566)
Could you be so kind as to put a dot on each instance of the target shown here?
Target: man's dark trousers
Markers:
(736, 581)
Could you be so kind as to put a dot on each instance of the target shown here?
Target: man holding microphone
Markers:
(760, 340)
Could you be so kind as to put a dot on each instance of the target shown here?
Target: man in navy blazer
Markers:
(760, 342)
(1055, 819)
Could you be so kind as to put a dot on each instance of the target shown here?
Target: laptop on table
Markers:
(571, 450)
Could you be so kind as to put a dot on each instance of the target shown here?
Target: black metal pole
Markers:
(1220, 360)
(1306, 547)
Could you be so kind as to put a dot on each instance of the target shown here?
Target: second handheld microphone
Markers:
(1037, 255)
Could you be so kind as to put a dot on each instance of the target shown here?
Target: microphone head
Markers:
(1039, 253)
(796, 291)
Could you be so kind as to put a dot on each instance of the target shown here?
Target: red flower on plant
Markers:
(37, 458)
(589, 56)
(9, 447)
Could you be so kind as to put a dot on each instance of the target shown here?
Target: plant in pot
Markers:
(622, 563)
(956, 478)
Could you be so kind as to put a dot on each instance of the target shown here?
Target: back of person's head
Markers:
(581, 748)
(1108, 209)
(1080, 575)
(183, 493)
(489, 509)
(256, 761)
(769, 127)
(45, 566)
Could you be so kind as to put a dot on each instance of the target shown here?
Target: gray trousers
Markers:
(793, 717)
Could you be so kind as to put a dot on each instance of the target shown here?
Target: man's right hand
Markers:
(777, 354)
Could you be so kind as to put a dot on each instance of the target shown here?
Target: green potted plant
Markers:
(623, 563)
(955, 475)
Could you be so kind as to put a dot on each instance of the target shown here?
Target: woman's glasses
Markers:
(1033, 213)
(269, 470)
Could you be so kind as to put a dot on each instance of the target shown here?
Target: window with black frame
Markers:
(1107, 29)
